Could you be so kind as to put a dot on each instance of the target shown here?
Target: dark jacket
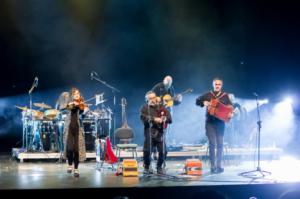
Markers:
(160, 90)
(147, 114)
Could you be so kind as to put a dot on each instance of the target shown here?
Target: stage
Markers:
(174, 153)
(50, 175)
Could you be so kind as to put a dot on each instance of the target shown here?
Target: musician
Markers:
(165, 88)
(162, 89)
(154, 117)
(61, 106)
(74, 142)
(214, 127)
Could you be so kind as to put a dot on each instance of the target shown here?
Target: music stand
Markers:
(262, 173)
(95, 76)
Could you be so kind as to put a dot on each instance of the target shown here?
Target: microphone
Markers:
(96, 74)
(93, 74)
(34, 85)
(255, 94)
(36, 81)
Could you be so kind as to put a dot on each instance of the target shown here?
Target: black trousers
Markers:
(215, 135)
(149, 144)
(73, 146)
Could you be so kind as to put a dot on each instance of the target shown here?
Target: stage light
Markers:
(264, 101)
(284, 108)
(278, 120)
(288, 100)
(286, 169)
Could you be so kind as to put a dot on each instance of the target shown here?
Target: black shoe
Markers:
(219, 170)
(148, 170)
(160, 170)
(213, 170)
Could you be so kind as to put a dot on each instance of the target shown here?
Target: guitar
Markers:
(168, 100)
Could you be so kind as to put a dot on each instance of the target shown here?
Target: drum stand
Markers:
(36, 143)
(60, 132)
(30, 122)
(258, 173)
(25, 130)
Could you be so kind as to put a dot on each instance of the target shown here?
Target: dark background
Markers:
(253, 45)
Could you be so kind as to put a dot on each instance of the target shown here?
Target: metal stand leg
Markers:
(258, 173)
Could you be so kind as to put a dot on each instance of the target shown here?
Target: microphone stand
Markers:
(28, 147)
(114, 90)
(251, 174)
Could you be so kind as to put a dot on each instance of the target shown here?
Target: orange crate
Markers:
(193, 167)
(130, 167)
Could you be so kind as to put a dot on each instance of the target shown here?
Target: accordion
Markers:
(220, 110)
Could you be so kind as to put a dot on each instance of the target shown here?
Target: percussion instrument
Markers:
(23, 108)
(47, 135)
(51, 114)
(42, 105)
(36, 115)
(43, 129)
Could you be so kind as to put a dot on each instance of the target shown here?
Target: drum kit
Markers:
(43, 128)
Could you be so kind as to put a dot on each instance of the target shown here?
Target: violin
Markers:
(80, 103)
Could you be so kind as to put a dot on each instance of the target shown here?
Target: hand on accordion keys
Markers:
(230, 115)
(206, 103)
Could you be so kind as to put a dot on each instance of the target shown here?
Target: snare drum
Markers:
(36, 115)
(51, 114)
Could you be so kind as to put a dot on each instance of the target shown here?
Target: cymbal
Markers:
(42, 105)
(23, 108)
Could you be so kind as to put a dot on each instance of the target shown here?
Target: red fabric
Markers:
(110, 157)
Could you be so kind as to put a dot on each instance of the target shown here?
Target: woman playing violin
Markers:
(74, 149)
